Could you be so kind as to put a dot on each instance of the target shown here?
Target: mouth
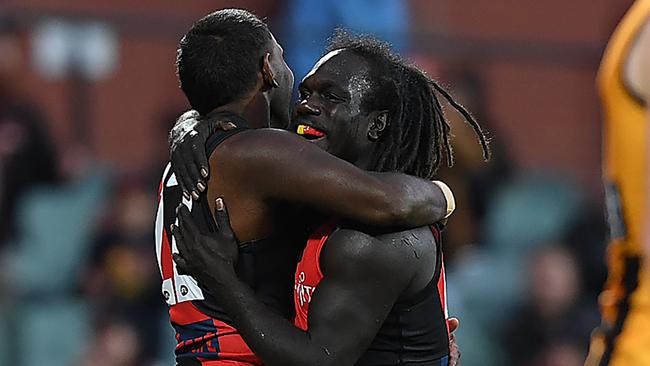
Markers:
(310, 133)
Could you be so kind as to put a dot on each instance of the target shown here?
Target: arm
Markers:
(358, 290)
(286, 168)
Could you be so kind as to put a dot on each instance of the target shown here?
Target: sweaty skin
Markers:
(285, 169)
(364, 273)
(363, 277)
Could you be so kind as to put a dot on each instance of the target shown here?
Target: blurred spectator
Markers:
(80, 283)
(486, 281)
(587, 241)
(552, 316)
(309, 23)
(27, 158)
(473, 180)
(115, 344)
(122, 280)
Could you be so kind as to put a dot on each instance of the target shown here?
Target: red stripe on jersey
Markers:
(186, 313)
(442, 281)
(442, 291)
(204, 362)
(232, 345)
(308, 274)
(160, 189)
(166, 261)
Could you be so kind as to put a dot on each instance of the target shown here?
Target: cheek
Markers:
(341, 129)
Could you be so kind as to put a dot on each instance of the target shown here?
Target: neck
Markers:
(254, 109)
(365, 158)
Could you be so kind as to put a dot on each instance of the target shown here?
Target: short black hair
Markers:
(417, 131)
(219, 57)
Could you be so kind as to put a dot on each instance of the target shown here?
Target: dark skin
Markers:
(286, 169)
(271, 95)
(359, 287)
(360, 283)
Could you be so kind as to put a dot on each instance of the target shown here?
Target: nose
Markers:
(305, 108)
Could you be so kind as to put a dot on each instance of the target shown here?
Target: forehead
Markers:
(339, 65)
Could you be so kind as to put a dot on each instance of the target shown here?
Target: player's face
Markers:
(280, 97)
(329, 108)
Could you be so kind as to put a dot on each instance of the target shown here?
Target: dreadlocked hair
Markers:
(417, 131)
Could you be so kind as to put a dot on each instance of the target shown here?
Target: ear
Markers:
(377, 125)
(268, 76)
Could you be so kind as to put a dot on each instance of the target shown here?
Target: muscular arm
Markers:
(359, 288)
(283, 167)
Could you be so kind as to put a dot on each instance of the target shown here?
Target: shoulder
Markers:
(263, 139)
(356, 253)
(256, 150)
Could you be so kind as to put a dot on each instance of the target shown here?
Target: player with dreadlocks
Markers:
(417, 132)
(362, 296)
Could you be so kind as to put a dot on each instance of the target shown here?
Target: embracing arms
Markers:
(359, 288)
(282, 167)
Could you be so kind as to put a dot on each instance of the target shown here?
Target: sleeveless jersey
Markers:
(411, 333)
(624, 160)
(203, 330)
(624, 134)
(622, 338)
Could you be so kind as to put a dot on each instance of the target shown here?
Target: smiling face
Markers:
(329, 112)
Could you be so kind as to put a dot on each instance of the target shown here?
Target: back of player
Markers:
(250, 78)
(203, 331)
(623, 338)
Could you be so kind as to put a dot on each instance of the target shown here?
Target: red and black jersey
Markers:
(414, 332)
(203, 331)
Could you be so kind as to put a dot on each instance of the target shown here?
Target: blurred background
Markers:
(88, 92)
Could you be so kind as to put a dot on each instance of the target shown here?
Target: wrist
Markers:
(222, 274)
(449, 197)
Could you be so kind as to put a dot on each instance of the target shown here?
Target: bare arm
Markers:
(283, 167)
(359, 288)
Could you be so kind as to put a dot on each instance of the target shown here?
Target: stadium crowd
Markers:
(524, 249)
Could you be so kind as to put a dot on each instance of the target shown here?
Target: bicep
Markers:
(289, 169)
(353, 299)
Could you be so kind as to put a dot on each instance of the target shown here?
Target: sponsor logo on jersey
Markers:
(303, 292)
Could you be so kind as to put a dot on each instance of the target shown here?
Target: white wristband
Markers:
(449, 197)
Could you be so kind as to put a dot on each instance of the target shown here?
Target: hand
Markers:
(205, 256)
(454, 351)
(187, 145)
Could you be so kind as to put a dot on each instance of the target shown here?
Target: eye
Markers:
(332, 97)
(304, 94)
